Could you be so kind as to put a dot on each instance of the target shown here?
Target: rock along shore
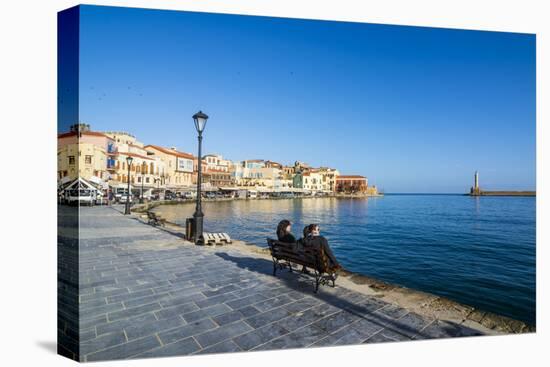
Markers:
(152, 204)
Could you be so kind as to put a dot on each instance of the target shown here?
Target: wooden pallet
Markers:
(214, 239)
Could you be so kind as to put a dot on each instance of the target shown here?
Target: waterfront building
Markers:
(145, 169)
(351, 184)
(219, 178)
(256, 173)
(84, 153)
(328, 178)
(101, 158)
(206, 175)
(283, 184)
(178, 167)
(288, 172)
(264, 177)
(310, 180)
(315, 179)
(301, 167)
(216, 162)
(372, 190)
(237, 169)
(254, 163)
(271, 164)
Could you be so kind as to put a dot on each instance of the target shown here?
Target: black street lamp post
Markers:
(128, 195)
(200, 123)
(157, 180)
(142, 179)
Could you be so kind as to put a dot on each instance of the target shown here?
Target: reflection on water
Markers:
(479, 251)
(255, 220)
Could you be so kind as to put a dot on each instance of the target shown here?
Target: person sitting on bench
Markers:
(314, 239)
(284, 233)
(302, 243)
(305, 233)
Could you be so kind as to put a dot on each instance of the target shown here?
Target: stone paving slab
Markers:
(146, 293)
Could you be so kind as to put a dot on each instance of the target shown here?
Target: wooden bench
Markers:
(155, 220)
(285, 254)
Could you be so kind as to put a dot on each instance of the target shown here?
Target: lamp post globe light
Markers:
(199, 119)
(128, 194)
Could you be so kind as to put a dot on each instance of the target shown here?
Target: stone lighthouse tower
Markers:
(475, 189)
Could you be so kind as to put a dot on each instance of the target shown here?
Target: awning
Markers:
(81, 183)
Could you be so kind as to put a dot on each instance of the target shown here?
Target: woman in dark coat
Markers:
(284, 235)
(315, 240)
(284, 232)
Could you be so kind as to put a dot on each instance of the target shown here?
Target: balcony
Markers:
(111, 164)
(111, 149)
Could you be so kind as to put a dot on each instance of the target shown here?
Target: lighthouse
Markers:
(475, 191)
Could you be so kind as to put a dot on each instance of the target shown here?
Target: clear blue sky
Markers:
(413, 109)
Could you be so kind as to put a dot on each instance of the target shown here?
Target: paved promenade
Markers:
(145, 292)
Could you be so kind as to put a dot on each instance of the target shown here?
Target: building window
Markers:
(88, 159)
(71, 159)
(147, 179)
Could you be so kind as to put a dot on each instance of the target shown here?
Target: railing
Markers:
(111, 148)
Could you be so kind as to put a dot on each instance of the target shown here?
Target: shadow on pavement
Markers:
(364, 309)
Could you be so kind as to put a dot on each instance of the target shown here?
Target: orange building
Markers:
(351, 184)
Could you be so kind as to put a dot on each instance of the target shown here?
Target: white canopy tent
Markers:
(81, 183)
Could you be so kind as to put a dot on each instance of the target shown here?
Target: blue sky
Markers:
(413, 109)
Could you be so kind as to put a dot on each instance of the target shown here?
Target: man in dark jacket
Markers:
(315, 240)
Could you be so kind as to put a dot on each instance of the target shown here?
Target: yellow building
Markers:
(316, 179)
(328, 178)
(146, 171)
(178, 166)
(255, 173)
(84, 153)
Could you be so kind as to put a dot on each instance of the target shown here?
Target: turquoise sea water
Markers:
(478, 251)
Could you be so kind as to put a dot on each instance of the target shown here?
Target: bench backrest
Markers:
(304, 255)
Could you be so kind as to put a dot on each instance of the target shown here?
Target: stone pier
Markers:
(146, 292)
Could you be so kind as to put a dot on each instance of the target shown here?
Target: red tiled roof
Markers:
(74, 133)
(350, 177)
(170, 151)
(135, 155)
